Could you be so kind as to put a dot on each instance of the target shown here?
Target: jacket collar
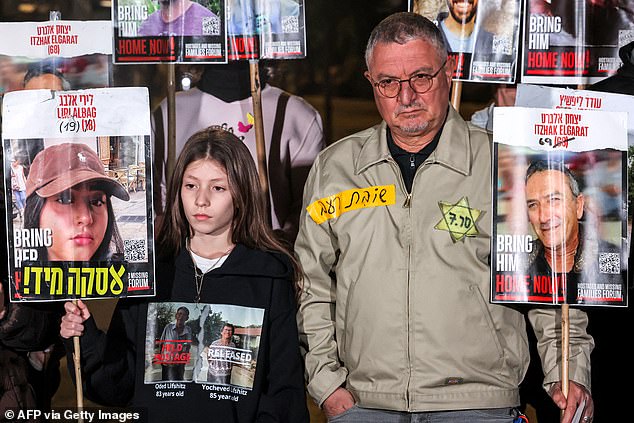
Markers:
(453, 151)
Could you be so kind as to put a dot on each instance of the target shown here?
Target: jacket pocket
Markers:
(486, 313)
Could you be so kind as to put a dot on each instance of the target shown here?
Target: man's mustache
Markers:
(551, 223)
(404, 108)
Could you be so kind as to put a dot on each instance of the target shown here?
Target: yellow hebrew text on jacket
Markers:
(352, 199)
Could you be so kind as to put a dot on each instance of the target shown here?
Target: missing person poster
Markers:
(55, 55)
(210, 347)
(482, 36)
(574, 42)
(266, 29)
(77, 168)
(559, 207)
(180, 31)
(566, 98)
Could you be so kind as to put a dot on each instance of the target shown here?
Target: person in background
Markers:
(396, 222)
(18, 185)
(504, 96)
(293, 134)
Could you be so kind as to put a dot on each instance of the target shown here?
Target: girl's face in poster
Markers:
(78, 219)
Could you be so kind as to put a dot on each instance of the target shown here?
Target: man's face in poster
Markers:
(182, 316)
(553, 209)
(462, 10)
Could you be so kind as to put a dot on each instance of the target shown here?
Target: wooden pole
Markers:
(171, 120)
(55, 15)
(565, 350)
(78, 380)
(456, 93)
(256, 98)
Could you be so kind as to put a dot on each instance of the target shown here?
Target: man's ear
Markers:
(450, 67)
(581, 200)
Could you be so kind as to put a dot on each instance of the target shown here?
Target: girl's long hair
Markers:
(250, 224)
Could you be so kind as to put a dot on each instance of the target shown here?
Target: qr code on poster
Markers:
(609, 263)
(211, 25)
(134, 250)
(502, 45)
(290, 24)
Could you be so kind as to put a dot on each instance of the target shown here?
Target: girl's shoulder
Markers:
(251, 261)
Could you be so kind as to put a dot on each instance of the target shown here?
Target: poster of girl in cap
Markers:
(85, 228)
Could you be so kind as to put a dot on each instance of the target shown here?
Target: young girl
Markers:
(225, 305)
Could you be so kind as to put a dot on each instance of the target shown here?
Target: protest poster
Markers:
(179, 31)
(203, 344)
(566, 98)
(574, 42)
(482, 36)
(78, 166)
(79, 51)
(559, 207)
(266, 29)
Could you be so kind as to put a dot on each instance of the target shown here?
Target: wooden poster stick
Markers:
(171, 120)
(55, 15)
(78, 381)
(256, 98)
(456, 93)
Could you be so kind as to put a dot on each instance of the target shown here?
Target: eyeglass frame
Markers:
(430, 77)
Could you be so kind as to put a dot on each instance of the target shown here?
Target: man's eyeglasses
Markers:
(419, 83)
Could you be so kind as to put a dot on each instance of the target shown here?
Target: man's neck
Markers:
(412, 144)
(458, 29)
(561, 260)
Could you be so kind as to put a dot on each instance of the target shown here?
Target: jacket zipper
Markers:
(408, 197)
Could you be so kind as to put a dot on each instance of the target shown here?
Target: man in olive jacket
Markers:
(394, 315)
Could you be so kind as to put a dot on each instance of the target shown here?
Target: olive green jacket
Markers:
(395, 304)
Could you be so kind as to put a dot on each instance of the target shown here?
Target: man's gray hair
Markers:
(404, 27)
(546, 165)
(38, 69)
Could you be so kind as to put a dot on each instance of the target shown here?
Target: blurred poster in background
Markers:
(574, 42)
(266, 29)
(482, 35)
(180, 31)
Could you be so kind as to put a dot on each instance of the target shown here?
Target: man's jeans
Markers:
(357, 414)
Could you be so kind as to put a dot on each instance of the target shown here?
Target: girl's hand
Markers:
(73, 321)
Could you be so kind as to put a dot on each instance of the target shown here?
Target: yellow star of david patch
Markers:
(458, 219)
